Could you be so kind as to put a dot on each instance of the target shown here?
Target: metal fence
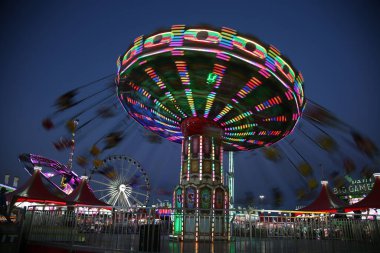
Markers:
(148, 229)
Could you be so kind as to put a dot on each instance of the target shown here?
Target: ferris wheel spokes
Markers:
(123, 180)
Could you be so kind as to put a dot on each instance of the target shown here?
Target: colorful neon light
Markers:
(231, 102)
(268, 104)
(200, 158)
(249, 87)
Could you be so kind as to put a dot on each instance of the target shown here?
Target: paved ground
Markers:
(272, 245)
(244, 245)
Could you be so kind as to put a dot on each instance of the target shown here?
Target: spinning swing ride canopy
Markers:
(236, 83)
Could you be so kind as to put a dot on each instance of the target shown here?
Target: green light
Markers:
(177, 224)
(211, 79)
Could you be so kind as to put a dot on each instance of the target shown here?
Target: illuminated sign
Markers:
(356, 187)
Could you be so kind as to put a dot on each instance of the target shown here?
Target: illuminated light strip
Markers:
(134, 102)
(221, 164)
(241, 43)
(223, 56)
(152, 74)
(244, 140)
(235, 145)
(295, 116)
(212, 36)
(213, 158)
(178, 53)
(210, 101)
(183, 73)
(159, 104)
(241, 127)
(200, 157)
(237, 118)
(163, 116)
(288, 94)
(190, 99)
(270, 133)
(175, 138)
(213, 215)
(171, 98)
(172, 131)
(188, 159)
(128, 55)
(298, 87)
(182, 159)
(235, 101)
(264, 73)
(150, 42)
(183, 216)
(118, 65)
(280, 64)
(140, 90)
(240, 134)
(227, 35)
(177, 39)
(269, 103)
(274, 49)
(155, 129)
(185, 79)
(276, 119)
(234, 139)
(219, 71)
(197, 217)
(252, 84)
(256, 142)
(270, 62)
(225, 110)
(138, 44)
(167, 125)
(142, 62)
(141, 116)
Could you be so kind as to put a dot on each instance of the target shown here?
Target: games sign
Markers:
(357, 187)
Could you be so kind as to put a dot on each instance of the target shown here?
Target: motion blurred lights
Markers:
(188, 66)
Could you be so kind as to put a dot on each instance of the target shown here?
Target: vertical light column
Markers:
(213, 216)
(213, 158)
(200, 157)
(188, 158)
(231, 176)
(182, 159)
(197, 217)
(221, 165)
(183, 213)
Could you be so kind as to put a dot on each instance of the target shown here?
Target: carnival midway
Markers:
(217, 93)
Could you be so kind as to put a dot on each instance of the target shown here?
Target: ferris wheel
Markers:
(121, 181)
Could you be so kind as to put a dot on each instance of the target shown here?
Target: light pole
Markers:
(261, 201)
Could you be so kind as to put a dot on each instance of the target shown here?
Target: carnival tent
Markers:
(38, 189)
(325, 202)
(83, 195)
(372, 200)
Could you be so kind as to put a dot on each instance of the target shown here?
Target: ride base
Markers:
(201, 199)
